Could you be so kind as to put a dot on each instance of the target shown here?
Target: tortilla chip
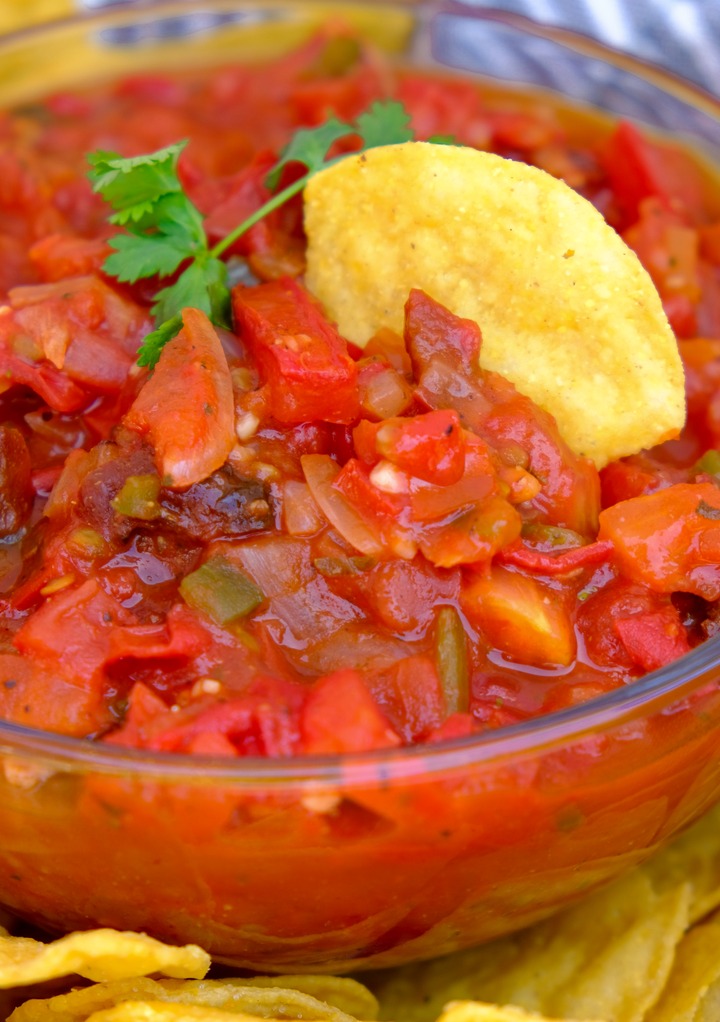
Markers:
(156, 1011)
(566, 310)
(693, 989)
(98, 955)
(607, 957)
(473, 1011)
(694, 857)
(266, 997)
(340, 991)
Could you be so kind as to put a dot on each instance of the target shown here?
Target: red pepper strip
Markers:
(521, 556)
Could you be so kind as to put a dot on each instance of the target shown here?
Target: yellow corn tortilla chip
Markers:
(566, 310)
(694, 857)
(607, 957)
(340, 991)
(156, 1011)
(264, 997)
(693, 988)
(473, 1011)
(97, 955)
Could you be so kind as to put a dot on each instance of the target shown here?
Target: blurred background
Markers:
(682, 35)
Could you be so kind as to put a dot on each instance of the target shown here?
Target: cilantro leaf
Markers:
(136, 256)
(310, 147)
(444, 140)
(132, 185)
(216, 281)
(203, 285)
(155, 342)
(175, 216)
(188, 291)
(385, 123)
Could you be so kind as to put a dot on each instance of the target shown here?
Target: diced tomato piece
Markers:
(478, 481)
(232, 200)
(451, 107)
(365, 441)
(569, 692)
(38, 693)
(186, 407)
(382, 509)
(144, 706)
(54, 387)
(74, 627)
(639, 168)
(570, 494)
(389, 347)
(669, 540)
(181, 635)
(413, 697)
(433, 332)
(458, 725)
(701, 358)
(64, 255)
(471, 536)
(621, 480)
(340, 716)
(523, 130)
(15, 266)
(404, 594)
(429, 446)
(264, 721)
(668, 249)
(520, 616)
(682, 314)
(710, 242)
(302, 357)
(614, 598)
(354, 481)
(64, 315)
(653, 639)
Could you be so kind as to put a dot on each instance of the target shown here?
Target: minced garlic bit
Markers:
(246, 426)
(386, 477)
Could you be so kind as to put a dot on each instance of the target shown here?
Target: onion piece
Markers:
(320, 472)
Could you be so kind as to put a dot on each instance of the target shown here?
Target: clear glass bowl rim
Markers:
(652, 694)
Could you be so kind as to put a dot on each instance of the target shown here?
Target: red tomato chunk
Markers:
(274, 544)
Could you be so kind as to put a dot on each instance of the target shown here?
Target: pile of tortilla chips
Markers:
(644, 949)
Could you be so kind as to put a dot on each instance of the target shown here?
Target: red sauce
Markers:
(363, 549)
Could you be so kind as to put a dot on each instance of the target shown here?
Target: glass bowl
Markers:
(378, 858)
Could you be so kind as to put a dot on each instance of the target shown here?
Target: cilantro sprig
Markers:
(164, 230)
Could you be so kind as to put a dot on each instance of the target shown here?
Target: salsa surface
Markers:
(393, 546)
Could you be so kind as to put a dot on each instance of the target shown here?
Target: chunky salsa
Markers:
(275, 543)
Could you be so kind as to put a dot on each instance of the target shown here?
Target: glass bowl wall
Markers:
(385, 857)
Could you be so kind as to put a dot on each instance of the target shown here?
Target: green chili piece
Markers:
(138, 498)
(221, 591)
(552, 535)
(451, 659)
(331, 566)
(87, 541)
(709, 463)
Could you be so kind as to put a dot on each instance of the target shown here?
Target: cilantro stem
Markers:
(277, 200)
